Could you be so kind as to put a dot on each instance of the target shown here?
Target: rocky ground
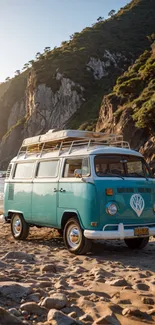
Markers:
(41, 283)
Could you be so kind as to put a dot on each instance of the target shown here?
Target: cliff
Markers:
(64, 87)
(130, 108)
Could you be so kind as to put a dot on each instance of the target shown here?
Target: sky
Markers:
(28, 26)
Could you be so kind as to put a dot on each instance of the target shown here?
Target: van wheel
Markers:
(74, 239)
(136, 243)
(19, 228)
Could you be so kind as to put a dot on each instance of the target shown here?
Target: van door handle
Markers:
(62, 190)
(55, 190)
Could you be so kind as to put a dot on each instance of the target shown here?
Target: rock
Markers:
(33, 308)
(73, 314)
(67, 310)
(56, 301)
(60, 318)
(141, 286)
(83, 302)
(148, 300)
(108, 318)
(7, 319)
(117, 282)
(3, 265)
(132, 311)
(34, 297)
(15, 291)
(61, 284)
(43, 284)
(48, 268)
(86, 318)
(151, 311)
(19, 256)
(14, 312)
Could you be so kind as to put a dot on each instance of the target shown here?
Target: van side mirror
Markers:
(78, 173)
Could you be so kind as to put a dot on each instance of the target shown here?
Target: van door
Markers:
(44, 196)
(73, 192)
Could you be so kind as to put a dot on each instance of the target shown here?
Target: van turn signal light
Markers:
(94, 224)
(109, 191)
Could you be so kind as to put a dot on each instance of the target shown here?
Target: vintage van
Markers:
(88, 185)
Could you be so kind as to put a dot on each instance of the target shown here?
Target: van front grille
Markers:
(144, 190)
(125, 190)
(132, 190)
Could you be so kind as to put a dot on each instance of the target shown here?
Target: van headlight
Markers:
(111, 209)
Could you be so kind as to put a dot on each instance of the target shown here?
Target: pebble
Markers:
(108, 318)
(56, 301)
(7, 318)
(117, 282)
(33, 308)
(60, 318)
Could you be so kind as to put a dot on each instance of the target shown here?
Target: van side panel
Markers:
(79, 197)
(44, 203)
(18, 197)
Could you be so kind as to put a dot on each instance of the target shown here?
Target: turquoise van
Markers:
(88, 185)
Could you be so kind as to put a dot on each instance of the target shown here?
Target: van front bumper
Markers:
(121, 233)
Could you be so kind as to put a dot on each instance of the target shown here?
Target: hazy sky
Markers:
(28, 26)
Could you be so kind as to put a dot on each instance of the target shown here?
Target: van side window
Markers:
(76, 167)
(24, 170)
(85, 167)
(47, 168)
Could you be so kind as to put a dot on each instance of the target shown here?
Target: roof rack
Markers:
(68, 140)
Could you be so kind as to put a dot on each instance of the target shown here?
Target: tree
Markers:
(31, 62)
(37, 56)
(71, 36)
(26, 66)
(47, 49)
(100, 19)
(151, 37)
(7, 79)
(17, 72)
(111, 13)
(64, 43)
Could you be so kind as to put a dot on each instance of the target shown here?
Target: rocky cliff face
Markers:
(130, 108)
(46, 109)
(40, 110)
(110, 123)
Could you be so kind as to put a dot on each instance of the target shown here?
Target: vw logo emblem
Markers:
(137, 204)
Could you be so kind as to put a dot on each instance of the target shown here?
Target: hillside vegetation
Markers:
(135, 91)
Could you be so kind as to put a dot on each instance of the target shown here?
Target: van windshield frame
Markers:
(118, 165)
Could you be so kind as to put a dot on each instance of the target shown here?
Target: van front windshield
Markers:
(121, 166)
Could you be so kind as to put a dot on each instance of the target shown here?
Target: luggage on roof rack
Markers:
(69, 139)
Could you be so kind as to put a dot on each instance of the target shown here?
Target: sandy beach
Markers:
(41, 283)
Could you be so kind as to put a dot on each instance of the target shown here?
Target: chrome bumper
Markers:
(121, 233)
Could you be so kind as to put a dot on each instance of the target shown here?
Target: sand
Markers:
(111, 285)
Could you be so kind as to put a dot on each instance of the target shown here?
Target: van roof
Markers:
(73, 142)
(82, 151)
(71, 135)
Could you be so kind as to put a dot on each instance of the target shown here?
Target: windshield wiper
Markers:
(116, 175)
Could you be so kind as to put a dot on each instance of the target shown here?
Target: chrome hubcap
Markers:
(17, 225)
(74, 236)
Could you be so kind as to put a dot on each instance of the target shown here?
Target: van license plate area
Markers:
(141, 231)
